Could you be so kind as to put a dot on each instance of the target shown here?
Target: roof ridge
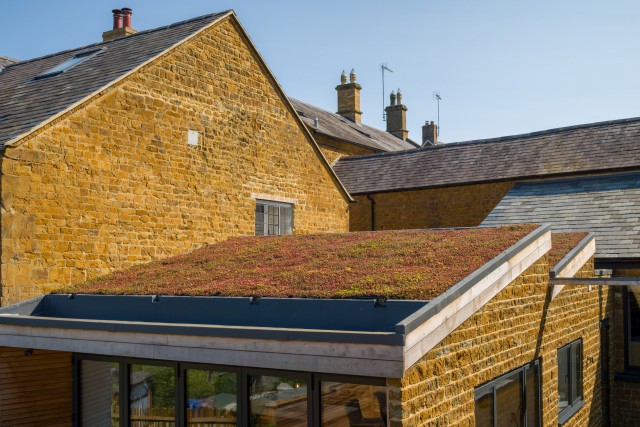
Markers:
(341, 117)
(507, 138)
(107, 42)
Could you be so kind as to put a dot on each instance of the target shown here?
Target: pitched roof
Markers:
(27, 103)
(5, 60)
(595, 147)
(336, 126)
(410, 264)
(609, 206)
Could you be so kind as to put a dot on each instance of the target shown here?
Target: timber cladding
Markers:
(519, 325)
(115, 183)
(461, 206)
(36, 390)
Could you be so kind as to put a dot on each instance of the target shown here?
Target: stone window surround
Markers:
(573, 407)
(281, 222)
(243, 374)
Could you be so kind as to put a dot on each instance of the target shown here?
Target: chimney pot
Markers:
(397, 116)
(343, 78)
(121, 25)
(117, 18)
(349, 97)
(126, 12)
(392, 98)
(429, 134)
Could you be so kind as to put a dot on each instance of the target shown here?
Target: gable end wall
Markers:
(115, 183)
(517, 326)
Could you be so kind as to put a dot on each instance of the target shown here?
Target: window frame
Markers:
(626, 315)
(265, 223)
(314, 381)
(574, 406)
(61, 68)
(522, 370)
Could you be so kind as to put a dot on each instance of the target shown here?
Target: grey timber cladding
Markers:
(25, 103)
(336, 126)
(595, 147)
(608, 205)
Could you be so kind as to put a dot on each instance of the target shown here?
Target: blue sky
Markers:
(502, 67)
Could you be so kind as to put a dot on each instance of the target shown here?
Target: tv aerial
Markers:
(438, 98)
(383, 68)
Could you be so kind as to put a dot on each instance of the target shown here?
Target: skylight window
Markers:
(61, 68)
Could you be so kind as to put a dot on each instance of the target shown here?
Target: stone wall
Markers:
(114, 183)
(333, 148)
(519, 325)
(463, 206)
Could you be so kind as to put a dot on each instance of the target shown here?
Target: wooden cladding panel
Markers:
(35, 390)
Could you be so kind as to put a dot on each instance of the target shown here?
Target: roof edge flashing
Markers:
(436, 305)
(572, 255)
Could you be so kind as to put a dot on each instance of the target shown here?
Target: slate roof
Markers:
(25, 103)
(607, 205)
(5, 60)
(596, 147)
(336, 126)
(404, 264)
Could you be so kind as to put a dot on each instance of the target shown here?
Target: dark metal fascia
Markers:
(278, 334)
(32, 307)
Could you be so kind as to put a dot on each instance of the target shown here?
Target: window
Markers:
(211, 393)
(512, 399)
(273, 218)
(125, 392)
(60, 68)
(100, 387)
(569, 380)
(277, 400)
(348, 404)
(632, 329)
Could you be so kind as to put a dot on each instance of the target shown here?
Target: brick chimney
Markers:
(349, 97)
(121, 25)
(397, 116)
(429, 134)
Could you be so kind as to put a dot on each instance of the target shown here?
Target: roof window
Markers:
(61, 68)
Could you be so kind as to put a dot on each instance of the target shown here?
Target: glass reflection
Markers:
(277, 401)
(212, 398)
(151, 396)
(345, 405)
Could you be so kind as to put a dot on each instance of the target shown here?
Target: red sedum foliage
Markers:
(409, 264)
(562, 244)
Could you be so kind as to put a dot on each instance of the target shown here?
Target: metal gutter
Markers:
(614, 281)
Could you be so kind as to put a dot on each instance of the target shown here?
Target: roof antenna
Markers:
(438, 98)
(383, 68)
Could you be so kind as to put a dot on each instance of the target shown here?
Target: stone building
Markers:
(576, 178)
(400, 328)
(147, 145)
(343, 134)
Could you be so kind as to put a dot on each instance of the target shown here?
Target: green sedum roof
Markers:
(408, 264)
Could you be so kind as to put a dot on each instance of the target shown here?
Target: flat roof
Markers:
(405, 264)
(358, 336)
